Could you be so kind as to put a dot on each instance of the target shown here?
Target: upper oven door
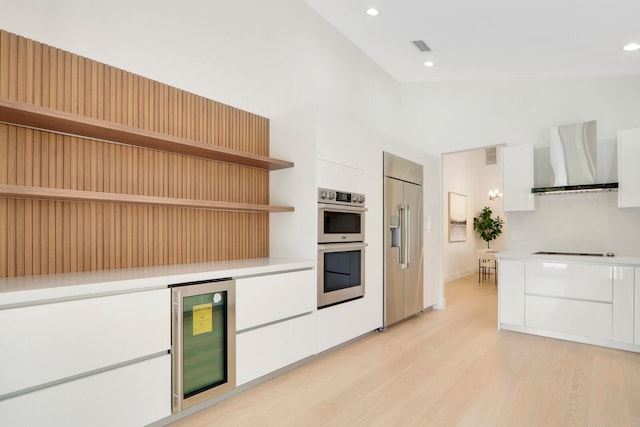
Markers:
(340, 223)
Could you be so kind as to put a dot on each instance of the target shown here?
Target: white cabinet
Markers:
(628, 170)
(583, 318)
(266, 299)
(53, 341)
(623, 304)
(92, 361)
(569, 297)
(132, 395)
(275, 322)
(261, 351)
(594, 303)
(588, 282)
(517, 178)
(511, 292)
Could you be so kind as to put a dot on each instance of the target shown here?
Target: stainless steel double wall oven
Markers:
(341, 246)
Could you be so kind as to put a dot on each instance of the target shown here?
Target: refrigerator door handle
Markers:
(407, 241)
(403, 253)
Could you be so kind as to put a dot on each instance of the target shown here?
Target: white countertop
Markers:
(616, 260)
(32, 290)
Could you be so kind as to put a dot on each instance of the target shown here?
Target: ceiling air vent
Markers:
(421, 45)
(491, 156)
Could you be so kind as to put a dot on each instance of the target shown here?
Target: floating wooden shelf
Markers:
(33, 116)
(39, 193)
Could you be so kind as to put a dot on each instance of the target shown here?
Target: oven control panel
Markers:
(326, 195)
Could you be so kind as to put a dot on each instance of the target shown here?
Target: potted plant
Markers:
(489, 228)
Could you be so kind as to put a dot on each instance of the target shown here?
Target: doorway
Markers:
(467, 178)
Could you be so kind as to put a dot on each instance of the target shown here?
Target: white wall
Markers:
(270, 58)
(332, 109)
(468, 174)
(460, 115)
(590, 223)
(442, 117)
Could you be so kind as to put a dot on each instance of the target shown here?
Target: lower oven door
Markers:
(340, 273)
(202, 342)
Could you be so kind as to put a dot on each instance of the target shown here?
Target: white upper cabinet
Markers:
(628, 170)
(517, 178)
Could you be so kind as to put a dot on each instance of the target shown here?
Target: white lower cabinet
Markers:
(623, 278)
(98, 361)
(265, 299)
(594, 303)
(274, 322)
(569, 280)
(511, 293)
(570, 298)
(53, 341)
(264, 350)
(587, 319)
(133, 395)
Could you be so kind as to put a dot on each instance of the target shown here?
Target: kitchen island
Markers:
(589, 299)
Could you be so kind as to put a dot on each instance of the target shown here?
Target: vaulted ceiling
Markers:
(471, 39)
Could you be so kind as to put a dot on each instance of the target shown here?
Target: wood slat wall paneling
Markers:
(40, 75)
(85, 204)
(132, 235)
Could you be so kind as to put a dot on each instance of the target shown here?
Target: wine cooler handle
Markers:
(176, 350)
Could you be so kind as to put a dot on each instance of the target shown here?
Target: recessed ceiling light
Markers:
(429, 64)
(631, 47)
(372, 11)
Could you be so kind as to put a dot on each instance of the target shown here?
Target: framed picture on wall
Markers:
(457, 217)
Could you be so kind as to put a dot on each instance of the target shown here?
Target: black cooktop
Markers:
(566, 253)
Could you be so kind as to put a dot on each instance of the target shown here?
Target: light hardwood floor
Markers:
(446, 368)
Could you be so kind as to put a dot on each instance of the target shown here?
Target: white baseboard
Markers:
(440, 305)
(460, 275)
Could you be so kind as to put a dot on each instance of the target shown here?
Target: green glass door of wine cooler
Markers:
(203, 342)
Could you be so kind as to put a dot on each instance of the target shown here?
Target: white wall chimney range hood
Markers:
(572, 154)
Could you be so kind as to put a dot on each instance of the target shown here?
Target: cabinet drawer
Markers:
(49, 342)
(584, 318)
(265, 299)
(133, 395)
(264, 350)
(566, 280)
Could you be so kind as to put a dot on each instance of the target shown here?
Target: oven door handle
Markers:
(342, 246)
(339, 208)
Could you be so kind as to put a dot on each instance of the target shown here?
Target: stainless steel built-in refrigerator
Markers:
(403, 239)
